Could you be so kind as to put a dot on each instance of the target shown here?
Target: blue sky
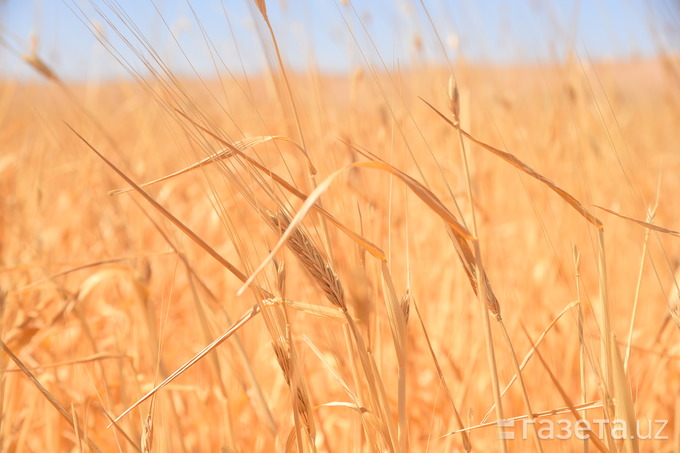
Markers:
(318, 31)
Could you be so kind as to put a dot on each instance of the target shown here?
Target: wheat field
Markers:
(332, 232)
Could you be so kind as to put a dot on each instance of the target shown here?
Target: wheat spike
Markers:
(312, 259)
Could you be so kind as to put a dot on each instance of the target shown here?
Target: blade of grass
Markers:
(592, 436)
(48, 396)
(648, 225)
(247, 316)
(224, 153)
(515, 162)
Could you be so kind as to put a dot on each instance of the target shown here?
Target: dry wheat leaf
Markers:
(247, 316)
(49, 396)
(178, 223)
(537, 415)
(565, 396)
(224, 153)
(515, 162)
(651, 226)
(236, 150)
(311, 309)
